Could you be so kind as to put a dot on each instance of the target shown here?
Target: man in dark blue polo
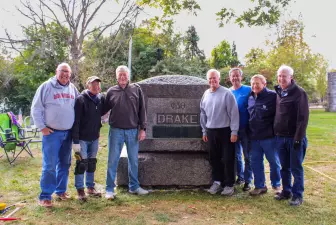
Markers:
(261, 107)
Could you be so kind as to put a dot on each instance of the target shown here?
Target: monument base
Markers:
(168, 170)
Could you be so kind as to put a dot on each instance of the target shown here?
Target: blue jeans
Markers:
(56, 161)
(291, 164)
(243, 145)
(117, 138)
(89, 149)
(258, 149)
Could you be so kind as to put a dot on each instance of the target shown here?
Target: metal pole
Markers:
(130, 58)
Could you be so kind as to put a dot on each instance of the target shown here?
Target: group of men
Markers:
(253, 120)
(258, 122)
(70, 120)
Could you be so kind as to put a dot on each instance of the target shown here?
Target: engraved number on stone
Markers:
(178, 105)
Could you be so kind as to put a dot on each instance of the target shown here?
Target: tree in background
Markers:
(264, 12)
(234, 60)
(79, 17)
(36, 63)
(192, 50)
(291, 49)
(221, 55)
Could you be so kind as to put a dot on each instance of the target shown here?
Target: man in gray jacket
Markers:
(53, 113)
(220, 124)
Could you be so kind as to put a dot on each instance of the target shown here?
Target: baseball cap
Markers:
(92, 78)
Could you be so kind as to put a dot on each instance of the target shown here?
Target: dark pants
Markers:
(243, 145)
(291, 164)
(222, 155)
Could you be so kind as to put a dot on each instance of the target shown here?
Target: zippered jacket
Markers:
(262, 111)
(292, 112)
(88, 114)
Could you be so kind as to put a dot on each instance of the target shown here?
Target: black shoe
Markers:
(296, 201)
(239, 181)
(247, 187)
(283, 196)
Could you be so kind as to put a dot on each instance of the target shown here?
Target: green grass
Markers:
(21, 182)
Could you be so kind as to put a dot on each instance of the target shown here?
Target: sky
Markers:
(317, 16)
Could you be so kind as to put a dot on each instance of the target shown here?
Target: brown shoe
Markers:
(64, 196)
(258, 191)
(93, 192)
(45, 203)
(81, 195)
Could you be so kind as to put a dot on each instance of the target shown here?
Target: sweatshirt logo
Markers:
(63, 95)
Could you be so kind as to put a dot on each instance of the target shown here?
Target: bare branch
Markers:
(11, 42)
(52, 12)
(94, 13)
(67, 16)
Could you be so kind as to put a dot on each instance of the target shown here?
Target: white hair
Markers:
(59, 67)
(287, 69)
(233, 69)
(122, 68)
(213, 71)
(259, 76)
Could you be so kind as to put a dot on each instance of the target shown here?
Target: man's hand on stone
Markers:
(205, 138)
(46, 131)
(233, 138)
(142, 135)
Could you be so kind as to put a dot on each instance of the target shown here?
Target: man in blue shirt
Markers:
(241, 93)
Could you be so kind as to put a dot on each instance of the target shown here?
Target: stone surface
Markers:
(173, 113)
(174, 79)
(173, 153)
(332, 92)
(164, 169)
(177, 145)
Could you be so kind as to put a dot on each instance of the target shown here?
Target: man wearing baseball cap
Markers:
(85, 135)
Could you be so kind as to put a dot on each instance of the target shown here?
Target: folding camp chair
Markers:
(11, 137)
(31, 131)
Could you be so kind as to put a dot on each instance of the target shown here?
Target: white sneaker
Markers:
(139, 191)
(228, 191)
(215, 188)
(110, 195)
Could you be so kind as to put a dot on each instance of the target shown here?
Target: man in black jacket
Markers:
(85, 134)
(290, 124)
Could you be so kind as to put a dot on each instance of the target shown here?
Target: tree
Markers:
(78, 17)
(234, 61)
(265, 12)
(221, 55)
(191, 46)
(291, 49)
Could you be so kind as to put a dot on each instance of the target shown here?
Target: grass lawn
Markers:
(21, 182)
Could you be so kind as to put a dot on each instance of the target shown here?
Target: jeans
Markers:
(222, 156)
(266, 147)
(116, 140)
(89, 149)
(56, 161)
(243, 145)
(291, 164)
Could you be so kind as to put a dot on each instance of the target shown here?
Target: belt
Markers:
(57, 129)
